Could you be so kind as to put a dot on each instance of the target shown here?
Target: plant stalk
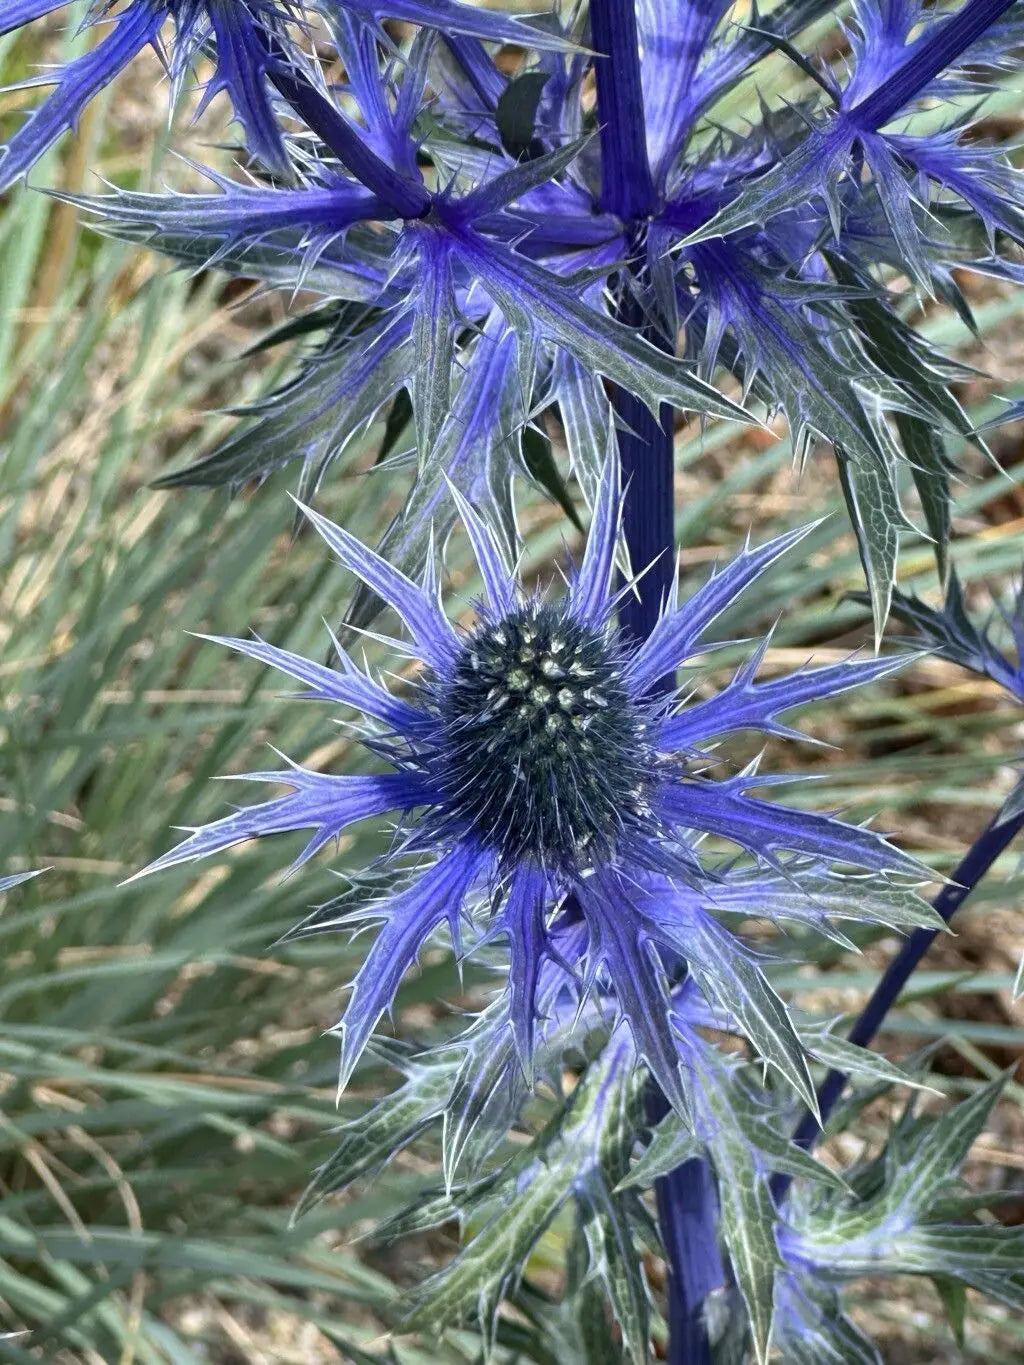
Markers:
(686, 1198)
(993, 841)
(925, 59)
(627, 186)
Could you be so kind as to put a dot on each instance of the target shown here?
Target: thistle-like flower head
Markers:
(475, 240)
(542, 773)
(545, 750)
(250, 41)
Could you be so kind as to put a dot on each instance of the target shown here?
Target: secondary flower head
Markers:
(253, 45)
(479, 231)
(543, 775)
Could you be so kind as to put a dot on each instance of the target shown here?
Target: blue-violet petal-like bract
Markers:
(539, 772)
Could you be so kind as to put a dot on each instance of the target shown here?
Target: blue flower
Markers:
(466, 247)
(539, 769)
(251, 46)
(448, 300)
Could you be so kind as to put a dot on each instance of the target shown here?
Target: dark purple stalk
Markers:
(925, 59)
(687, 1204)
(646, 445)
(687, 1219)
(627, 187)
(993, 840)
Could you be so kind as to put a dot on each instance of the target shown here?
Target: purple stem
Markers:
(687, 1203)
(993, 840)
(925, 59)
(688, 1221)
(627, 187)
(647, 461)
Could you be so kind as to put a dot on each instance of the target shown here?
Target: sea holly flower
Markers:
(473, 207)
(253, 47)
(539, 766)
(431, 290)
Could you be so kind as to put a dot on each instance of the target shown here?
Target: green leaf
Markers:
(399, 417)
(584, 1149)
(324, 317)
(944, 1147)
(925, 374)
(838, 1054)
(877, 519)
(748, 1213)
(382, 1131)
(954, 1300)
(926, 450)
(815, 1332)
(516, 112)
(487, 1265)
(617, 1267)
(483, 1102)
(599, 1347)
(540, 465)
(433, 1208)
(670, 1145)
(586, 416)
(477, 457)
(748, 1230)
(895, 905)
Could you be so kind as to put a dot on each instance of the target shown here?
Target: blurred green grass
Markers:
(165, 1088)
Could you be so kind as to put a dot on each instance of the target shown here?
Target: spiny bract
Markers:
(556, 781)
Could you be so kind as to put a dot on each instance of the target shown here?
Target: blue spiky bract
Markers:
(952, 632)
(537, 768)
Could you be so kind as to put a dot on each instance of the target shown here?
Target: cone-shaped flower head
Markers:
(545, 752)
(541, 771)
